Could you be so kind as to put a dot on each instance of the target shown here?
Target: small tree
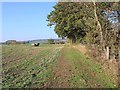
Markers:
(11, 42)
(50, 41)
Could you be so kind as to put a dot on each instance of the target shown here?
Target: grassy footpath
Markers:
(86, 73)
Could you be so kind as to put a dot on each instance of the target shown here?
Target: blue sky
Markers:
(26, 21)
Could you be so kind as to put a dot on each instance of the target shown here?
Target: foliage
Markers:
(13, 42)
(71, 20)
(108, 13)
(50, 41)
(93, 23)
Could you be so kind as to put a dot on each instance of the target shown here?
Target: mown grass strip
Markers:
(86, 73)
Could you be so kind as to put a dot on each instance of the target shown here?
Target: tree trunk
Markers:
(118, 36)
(119, 54)
(73, 41)
(99, 27)
(119, 46)
(107, 53)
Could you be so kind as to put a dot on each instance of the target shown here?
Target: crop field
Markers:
(51, 66)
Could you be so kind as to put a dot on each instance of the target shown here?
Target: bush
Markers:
(50, 41)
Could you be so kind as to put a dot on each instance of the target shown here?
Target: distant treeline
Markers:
(52, 41)
(8, 42)
(48, 41)
(41, 41)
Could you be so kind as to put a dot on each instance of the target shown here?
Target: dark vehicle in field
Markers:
(35, 44)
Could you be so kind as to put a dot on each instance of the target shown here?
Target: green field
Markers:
(26, 66)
